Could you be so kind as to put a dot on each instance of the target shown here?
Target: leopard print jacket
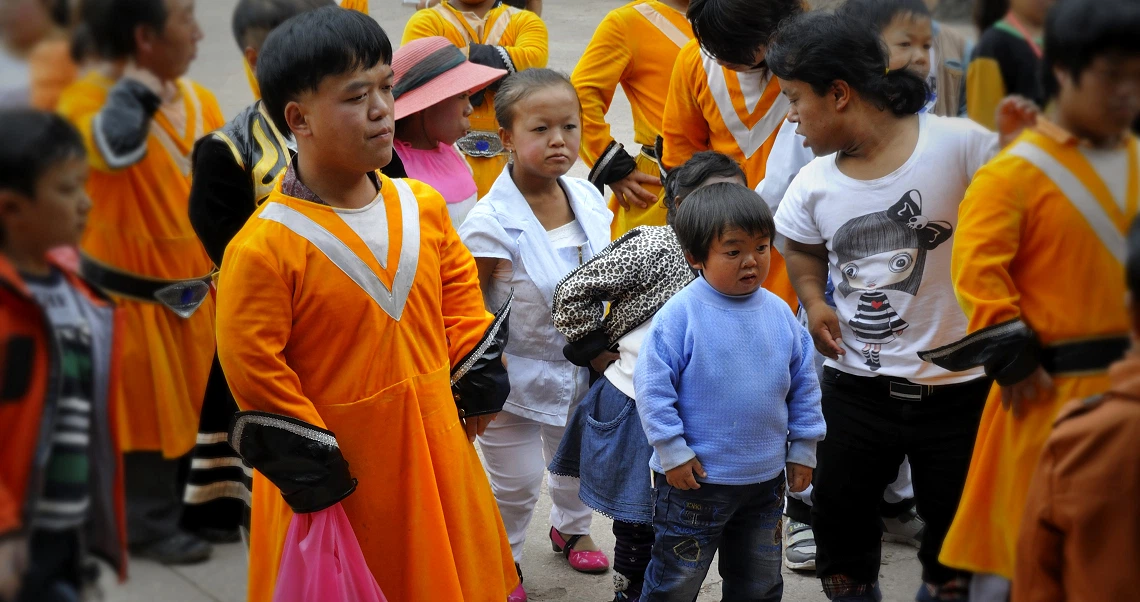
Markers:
(636, 274)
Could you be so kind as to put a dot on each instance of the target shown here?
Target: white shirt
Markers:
(620, 373)
(889, 242)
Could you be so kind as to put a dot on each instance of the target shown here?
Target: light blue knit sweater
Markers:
(729, 380)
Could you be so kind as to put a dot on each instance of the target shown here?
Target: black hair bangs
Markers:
(304, 50)
(712, 210)
(733, 30)
(880, 13)
(34, 141)
(1079, 31)
(266, 15)
(109, 25)
(682, 181)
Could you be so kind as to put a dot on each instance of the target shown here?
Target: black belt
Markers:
(899, 388)
(183, 297)
(1092, 355)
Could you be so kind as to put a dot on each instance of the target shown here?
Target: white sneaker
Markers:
(799, 546)
(907, 528)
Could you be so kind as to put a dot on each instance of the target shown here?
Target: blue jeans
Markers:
(742, 521)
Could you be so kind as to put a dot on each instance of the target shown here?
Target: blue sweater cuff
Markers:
(802, 452)
(675, 452)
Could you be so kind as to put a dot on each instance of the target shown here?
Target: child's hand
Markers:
(823, 324)
(799, 477)
(1035, 387)
(476, 425)
(630, 190)
(1014, 114)
(603, 361)
(13, 565)
(685, 476)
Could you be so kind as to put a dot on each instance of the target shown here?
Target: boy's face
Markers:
(1104, 100)
(168, 53)
(815, 115)
(57, 214)
(347, 120)
(909, 38)
(737, 263)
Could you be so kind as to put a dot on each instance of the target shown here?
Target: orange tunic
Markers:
(520, 32)
(635, 47)
(1024, 251)
(139, 224)
(713, 108)
(298, 337)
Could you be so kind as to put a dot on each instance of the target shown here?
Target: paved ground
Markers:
(547, 576)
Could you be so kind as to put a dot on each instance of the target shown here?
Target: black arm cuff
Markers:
(301, 460)
(479, 382)
(122, 126)
(585, 349)
(491, 56)
(1009, 352)
(613, 165)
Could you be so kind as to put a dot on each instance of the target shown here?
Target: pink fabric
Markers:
(322, 560)
(444, 169)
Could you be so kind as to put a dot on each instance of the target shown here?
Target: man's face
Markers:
(813, 114)
(1105, 100)
(168, 53)
(347, 120)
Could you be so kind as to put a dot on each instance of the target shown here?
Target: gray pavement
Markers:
(548, 577)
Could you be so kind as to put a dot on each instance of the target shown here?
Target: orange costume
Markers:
(139, 238)
(313, 325)
(1038, 267)
(735, 113)
(635, 46)
(506, 38)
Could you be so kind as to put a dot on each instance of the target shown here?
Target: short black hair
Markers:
(821, 48)
(34, 141)
(988, 12)
(711, 210)
(1078, 31)
(109, 26)
(522, 84)
(682, 181)
(732, 30)
(880, 13)
(266, 15)
(304, 50)
(1134, 260)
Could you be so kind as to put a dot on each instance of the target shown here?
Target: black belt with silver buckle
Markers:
(180, 296)
(1092, 355)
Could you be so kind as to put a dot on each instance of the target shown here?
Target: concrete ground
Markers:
(548, 577)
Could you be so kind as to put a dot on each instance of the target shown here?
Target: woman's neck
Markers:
(882, 144)
(413, 131)
(28, 260)
(338, 189)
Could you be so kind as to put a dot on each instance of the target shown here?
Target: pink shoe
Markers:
(582, 561)
(519, 595)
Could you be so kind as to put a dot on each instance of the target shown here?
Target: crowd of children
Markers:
(820, 309)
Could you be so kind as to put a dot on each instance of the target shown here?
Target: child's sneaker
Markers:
(906, 528)
(799, 546)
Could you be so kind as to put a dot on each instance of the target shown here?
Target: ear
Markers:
(145, 38)
(696, 265)
(297, 118)
(508, 141)
(11, 203)
(1064, 78)
(250, 54)
(840, 93)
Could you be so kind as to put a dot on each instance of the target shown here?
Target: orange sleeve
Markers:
(529, 49)
(360, 5)
(424, 24)
(1040, 546)
(990, 222)
(254, 324)
(596, 77)
(984, 90)
(465, 317)
(79, 104)
(684, 128)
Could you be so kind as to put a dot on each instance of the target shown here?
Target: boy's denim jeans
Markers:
(741, 521)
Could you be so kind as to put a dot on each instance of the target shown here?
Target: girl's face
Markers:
(447, 121)
(909, 38)
(880, 270)
(816, 116)
(546, 132)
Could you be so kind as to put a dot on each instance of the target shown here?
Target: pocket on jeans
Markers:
(610, 410)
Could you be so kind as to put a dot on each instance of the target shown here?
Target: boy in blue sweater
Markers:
(728, 396)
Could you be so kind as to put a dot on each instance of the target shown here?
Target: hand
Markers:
(630, 190)
(685, 476)
(1035, 387)
(799, 477)
(13, 565)
(604, 359)
(823, 324)
(476, 425)
(1014, 114)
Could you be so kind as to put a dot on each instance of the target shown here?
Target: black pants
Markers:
(633, 547)
(54, 567)
(154, 496)
(871, 423)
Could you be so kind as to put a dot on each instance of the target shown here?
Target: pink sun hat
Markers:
(431, 70)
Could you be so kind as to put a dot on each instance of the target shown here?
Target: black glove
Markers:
(479, 382)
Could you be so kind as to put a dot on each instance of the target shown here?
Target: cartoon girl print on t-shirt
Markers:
(884, 251)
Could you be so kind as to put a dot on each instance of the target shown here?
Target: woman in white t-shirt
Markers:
(878, 207)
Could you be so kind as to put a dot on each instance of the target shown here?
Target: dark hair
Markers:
(522, 84)
(880, 13)
(988, 12)
(1133, 269)
(733, 30)
(1078, 31)
(108, 26)
(301, 52)
(266, 15)
(682, 181)
(820, 48)
(711, 210)
(34, 141)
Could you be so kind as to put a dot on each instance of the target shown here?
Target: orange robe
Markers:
(713, 108)
(635, 47)
(1024, 251)
(520, 32)
(298, 337)
(139, 224)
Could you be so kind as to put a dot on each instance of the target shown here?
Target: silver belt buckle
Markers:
(906, 392)
(480, 144)
(183, 298)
